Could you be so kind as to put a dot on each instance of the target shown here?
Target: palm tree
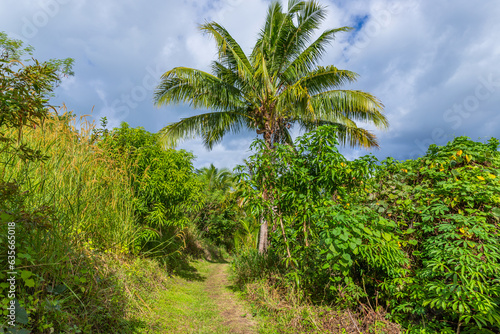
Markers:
(279, 84)
(216, 179)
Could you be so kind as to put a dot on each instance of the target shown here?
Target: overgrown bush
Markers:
(327, 243)
(447, 208)
(164, 185)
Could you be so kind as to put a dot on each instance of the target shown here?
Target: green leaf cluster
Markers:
(305, 192)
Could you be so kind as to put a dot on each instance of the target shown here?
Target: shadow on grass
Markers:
(217, 260)
(213, 255)
(188, 272)
(235, 288)
(185, 270)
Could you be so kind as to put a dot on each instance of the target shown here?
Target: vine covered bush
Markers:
(447, 209)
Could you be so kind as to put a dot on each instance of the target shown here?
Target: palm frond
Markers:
(211, 127)
(326, 78)
(347, 134)
(226, 75)
(307, 59)
(272, 36)
(352, 104)
(294, 101)
(308, 18)
(230, 53)
(198, 88)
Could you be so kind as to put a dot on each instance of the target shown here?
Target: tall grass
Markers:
(88, 190)
(70, 209)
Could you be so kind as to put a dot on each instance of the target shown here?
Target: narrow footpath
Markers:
(199, 300)
(236, 317)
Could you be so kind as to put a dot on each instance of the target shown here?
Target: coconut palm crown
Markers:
(279, 84)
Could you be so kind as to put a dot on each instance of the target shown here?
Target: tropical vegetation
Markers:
(278, 85)
(111, 231)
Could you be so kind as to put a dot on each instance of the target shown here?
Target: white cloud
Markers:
(421, 58)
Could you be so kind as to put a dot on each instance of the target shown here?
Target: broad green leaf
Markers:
(29, 283)
(5, 218)
(21, 315)
(347, 257)
(25, 274)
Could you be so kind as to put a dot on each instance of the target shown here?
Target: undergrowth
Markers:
(283, 308)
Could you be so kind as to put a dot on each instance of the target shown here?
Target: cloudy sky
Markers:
(435, 64)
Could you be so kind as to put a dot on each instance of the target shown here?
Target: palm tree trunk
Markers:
(263, 238)
(264, 226)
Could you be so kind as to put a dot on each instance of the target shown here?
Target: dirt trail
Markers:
(236, 317)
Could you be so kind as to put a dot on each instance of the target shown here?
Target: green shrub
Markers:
(329, 245)
(419, 237)
(251, 266)
(164, 185)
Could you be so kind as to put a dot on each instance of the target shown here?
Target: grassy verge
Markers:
(278, 311)
(280, 308)
(68, 211)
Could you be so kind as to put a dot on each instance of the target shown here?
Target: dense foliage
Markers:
(418, 237)
(164, 184)
(84, 205)
(447, 209)
(218, 216)
(66, 208)
(317, 233)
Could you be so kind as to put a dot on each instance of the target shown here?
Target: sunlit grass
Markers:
(187, 304)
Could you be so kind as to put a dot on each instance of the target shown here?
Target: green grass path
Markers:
(198, 300)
